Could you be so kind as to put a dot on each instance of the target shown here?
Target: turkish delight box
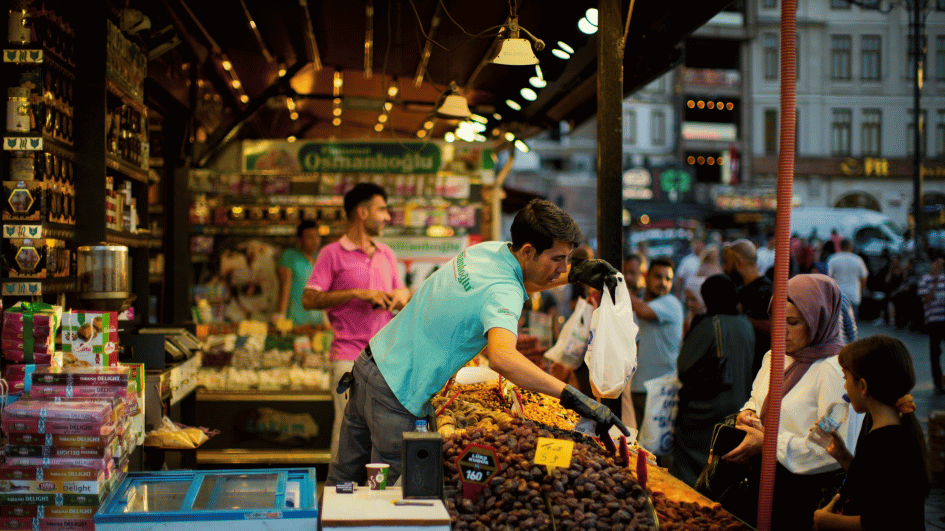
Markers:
(39, 511)
(117, 376)
(28, 498)
(61, 451)
(90, 338)
(57, 486)
(48, 524)
(105, 463)
(61, 441)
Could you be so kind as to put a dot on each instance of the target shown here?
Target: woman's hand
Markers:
(750, 446)
(820, 515)
(748, 418)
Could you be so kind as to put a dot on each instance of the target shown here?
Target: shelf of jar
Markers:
(36, 229)
(128, 239)
(120, 165)
(35, 287)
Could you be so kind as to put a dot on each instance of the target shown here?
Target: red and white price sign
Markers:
(476, 464)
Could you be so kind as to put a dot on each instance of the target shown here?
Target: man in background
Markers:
(660, 317)
(766, 255)
(740, 262)
(932, 291)
(295, 269)
(849, 271)
(355, 279)
(634, 268)
(688, 266)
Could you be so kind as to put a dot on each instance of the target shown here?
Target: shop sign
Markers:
(22, 289)
(428, 248)
(22, 143)
(637, 183)
(342, 157)
(870, 167)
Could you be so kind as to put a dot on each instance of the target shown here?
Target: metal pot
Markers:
(103, 276)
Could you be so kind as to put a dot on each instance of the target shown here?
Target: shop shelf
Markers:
(257, 457)
(127, 238)
(33, 142)
(28, 55)
(116, 87)
(118, 164)
(33, 287)
(247, 230)
(266, 396)
(57, 231)
(156, 278)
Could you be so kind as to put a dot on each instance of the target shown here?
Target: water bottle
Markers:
(420, 426)
(836, 414)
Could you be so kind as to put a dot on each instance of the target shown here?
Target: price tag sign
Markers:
(553, 453)
(476, 464)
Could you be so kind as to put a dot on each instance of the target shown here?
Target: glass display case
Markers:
(277, 499)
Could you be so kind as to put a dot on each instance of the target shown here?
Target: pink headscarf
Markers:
(819, 301)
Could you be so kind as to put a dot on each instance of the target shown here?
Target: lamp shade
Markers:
(453, 106)
(515, 52)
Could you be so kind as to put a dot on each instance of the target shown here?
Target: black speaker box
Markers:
(422, 459)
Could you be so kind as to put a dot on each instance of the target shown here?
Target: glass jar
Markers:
(18, 110)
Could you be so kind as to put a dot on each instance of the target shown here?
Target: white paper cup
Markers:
(377, 475)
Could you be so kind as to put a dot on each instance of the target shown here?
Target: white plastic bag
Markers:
(572, 341)
(612, 348)
(659, 414)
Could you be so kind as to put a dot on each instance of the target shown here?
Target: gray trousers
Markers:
(372, 428)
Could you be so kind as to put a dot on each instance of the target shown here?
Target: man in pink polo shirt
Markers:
(355, 279)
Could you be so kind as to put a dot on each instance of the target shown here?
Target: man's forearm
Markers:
(642, 310)
(322, 300)
(519, 370)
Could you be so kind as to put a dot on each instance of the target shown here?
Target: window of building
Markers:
(940, 57)
(658, 128)
(839, 4)
(770, 55)
(940, 134)
(910, 131)
(871, 132)
(771, 131)
(840, 128)
(869, 4)
(630, 127)
(769, 4)
(871, 54)
(840, 56)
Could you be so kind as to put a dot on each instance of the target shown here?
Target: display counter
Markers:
(374, 510)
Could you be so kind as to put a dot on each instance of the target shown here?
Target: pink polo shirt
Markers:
(342, 265)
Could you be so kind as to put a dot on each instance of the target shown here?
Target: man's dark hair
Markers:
(662, 261)
(846, 245)
(540, 223)
(360, 193)
(304, 225)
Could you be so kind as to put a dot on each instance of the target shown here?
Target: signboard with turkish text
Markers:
(476, 464)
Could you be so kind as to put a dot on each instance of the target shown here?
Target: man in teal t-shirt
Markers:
(471, 304)
(295, 268)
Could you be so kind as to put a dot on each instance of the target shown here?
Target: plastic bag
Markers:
(612, 346)
(659, 414)
(571, 346)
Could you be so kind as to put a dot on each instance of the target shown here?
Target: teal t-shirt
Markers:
(301, 271)
(445, 323)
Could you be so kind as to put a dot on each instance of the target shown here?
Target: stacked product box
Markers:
(89, 339)
(28, 341)
(60, 461)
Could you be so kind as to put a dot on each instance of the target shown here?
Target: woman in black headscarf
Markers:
(714, 366)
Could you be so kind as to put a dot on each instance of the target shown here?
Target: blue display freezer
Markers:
(281, 499)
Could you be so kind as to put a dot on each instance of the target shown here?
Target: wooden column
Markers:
(610, 133)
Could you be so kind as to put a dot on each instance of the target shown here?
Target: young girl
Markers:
(888, 480)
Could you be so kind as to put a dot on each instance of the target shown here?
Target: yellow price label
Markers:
(284, 325)
(553, 453)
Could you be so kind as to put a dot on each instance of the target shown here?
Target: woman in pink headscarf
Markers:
(813, 380)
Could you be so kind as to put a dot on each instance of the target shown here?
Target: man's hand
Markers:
(377, 299)
(594, 273)
(586, 406)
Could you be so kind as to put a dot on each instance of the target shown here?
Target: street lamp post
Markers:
(918, 10)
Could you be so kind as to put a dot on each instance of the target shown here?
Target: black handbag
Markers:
(731, 484)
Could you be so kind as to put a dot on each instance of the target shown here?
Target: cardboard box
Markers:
(48, 524)
(90, 338)
(117, 376)
(33, 511)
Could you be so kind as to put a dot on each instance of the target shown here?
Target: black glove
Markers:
(594, 273)
(586, 406)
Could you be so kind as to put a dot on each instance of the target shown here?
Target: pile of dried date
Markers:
(688, 516)
(593, 493)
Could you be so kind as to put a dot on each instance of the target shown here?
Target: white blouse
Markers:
(801, 408)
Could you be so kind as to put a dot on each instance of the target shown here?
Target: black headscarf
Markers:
(720, 295)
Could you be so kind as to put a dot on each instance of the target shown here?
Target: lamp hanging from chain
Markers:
(515, 50)
(454, 105)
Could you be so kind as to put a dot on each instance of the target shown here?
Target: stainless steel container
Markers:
(103, 276)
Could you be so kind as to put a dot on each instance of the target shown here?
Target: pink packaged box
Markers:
(60, 451)
(76, 391)
(40, 344)
(105, 463)
(72, 441)
(33, 511)
(89, 411)
(111, 376)
(48, 524)
(11, 332)
(39, 358)
(18, 375)
(57, 426)
(34, 315)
